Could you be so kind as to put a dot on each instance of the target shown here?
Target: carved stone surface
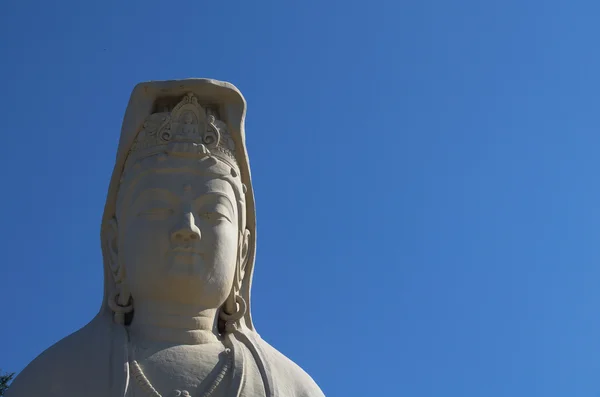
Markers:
(178, 240)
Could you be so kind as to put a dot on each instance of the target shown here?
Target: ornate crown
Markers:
(188, 130)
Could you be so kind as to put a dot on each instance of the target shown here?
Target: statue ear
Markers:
(244, 252)
(111, 234)
(120, 300)
(235, 306)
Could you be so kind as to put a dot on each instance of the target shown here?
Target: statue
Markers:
(178, 240)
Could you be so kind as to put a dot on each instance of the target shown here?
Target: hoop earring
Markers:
(233, 318)
(119, 310)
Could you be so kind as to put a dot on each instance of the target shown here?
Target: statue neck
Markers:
(174, 323)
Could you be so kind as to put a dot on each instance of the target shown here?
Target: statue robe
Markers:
(93, 362)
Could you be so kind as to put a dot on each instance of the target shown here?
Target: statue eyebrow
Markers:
(205, 195)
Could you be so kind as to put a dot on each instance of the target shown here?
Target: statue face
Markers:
(178, 237)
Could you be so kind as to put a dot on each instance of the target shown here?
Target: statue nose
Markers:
(186, 230)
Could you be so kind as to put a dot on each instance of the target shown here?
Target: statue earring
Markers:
(231, 319)
(120, 309)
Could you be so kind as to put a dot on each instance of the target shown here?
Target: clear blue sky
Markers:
(426, 177)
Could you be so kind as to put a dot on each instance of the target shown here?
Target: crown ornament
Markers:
(187, 130)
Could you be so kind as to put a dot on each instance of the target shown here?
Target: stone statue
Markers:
(178, 239)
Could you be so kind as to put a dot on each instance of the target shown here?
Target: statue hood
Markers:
(233, 111)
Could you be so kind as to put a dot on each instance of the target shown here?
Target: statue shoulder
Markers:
(285, 374)
(77, 362)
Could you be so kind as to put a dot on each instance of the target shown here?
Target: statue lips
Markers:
(186, 250)
(185, 260)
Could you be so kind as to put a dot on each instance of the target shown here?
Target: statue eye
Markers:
(209, 216)
(156, 213)
(213, 217)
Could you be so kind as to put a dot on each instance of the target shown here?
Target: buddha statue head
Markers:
(178, 227)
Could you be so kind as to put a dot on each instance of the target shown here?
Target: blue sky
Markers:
(425, 175)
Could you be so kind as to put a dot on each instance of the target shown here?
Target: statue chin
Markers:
(192, 291)
(178, 242)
